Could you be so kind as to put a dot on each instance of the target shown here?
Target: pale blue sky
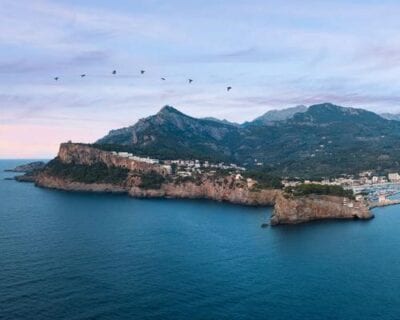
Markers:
(275, 54)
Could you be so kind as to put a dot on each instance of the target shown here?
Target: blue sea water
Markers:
(87, 256)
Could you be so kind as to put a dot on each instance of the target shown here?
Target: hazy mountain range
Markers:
(315, 141)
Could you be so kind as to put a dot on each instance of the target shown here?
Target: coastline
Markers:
(187, 190)
(287, 210)
(83, 168)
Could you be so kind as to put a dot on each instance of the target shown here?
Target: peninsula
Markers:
(80, 167)
(318, 162)
(172, 155)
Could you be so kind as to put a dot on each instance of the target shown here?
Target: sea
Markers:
(70, 255)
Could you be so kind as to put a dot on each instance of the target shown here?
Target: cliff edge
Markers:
(292, 210)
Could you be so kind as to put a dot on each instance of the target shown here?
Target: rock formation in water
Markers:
(291, 210)
(29, 167)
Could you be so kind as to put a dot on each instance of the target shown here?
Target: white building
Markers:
(394, 177)
(123, 154)
(168, 168)
(359, 197)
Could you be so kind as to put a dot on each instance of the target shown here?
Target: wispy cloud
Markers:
(274, 54)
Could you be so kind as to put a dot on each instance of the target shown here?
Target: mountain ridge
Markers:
(324, 140)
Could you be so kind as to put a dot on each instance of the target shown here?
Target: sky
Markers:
(274, 55)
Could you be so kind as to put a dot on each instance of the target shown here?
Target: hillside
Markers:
(326, 140)
(171, 134)
(279, 115)
(391, 116)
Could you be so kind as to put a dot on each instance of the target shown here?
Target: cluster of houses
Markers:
(365, 178)
(184, 168)
(130, 156)
(368, 186)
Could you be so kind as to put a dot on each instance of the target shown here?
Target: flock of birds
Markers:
(114, 72)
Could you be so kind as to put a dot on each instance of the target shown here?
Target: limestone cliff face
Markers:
(291, 210)
(208, 189)
(52, 182)
(86, 155)
(223, 189)
(211, 189)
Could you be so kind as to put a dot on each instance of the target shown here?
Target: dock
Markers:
(383, 203)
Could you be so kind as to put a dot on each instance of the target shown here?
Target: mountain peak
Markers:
(168, 110)
(279, 115)
(329, 112)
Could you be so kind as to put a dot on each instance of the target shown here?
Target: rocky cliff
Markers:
(292, 210)
(75, 153)
(220, 190)
(29, 167)
(52, 182)
(213, 189)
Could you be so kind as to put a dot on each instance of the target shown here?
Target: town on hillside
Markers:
(377, 189)
(183, 168)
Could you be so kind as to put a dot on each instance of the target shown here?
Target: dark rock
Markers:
(29, 167)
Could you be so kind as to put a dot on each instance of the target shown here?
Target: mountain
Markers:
(391, 116)
(172, 134)
(325, 140)
(279, 115)
(222, 121)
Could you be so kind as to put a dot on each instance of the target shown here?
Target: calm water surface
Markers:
(86, 256)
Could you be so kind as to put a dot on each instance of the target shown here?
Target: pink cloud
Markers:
(37, 141)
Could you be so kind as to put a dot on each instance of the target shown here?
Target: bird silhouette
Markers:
(162, 78)
(228, 88)
(190, 80)
(83, 75)
(56, 78)
(114, 72)
(142, 71)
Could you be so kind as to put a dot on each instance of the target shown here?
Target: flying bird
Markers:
(190, 80)
(228, 88)
(114, 72)
(56, 78)
(83, 75)
(142, 71)
(163, 79)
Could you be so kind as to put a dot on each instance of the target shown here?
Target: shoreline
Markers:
(286, 210)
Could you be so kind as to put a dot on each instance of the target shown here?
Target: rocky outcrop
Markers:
(29, 167)
(292, 210)
(52, 182)
(76, 153)
(219, 190)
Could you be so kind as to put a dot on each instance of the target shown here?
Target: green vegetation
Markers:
(96, 173)
(151, 180)
(264, 179)
(319, 189)
(166, 149)
(180, 180)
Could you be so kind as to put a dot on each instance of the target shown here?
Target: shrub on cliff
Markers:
(151, 180)
(319, 189)
(264, 179)
(97, 172)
